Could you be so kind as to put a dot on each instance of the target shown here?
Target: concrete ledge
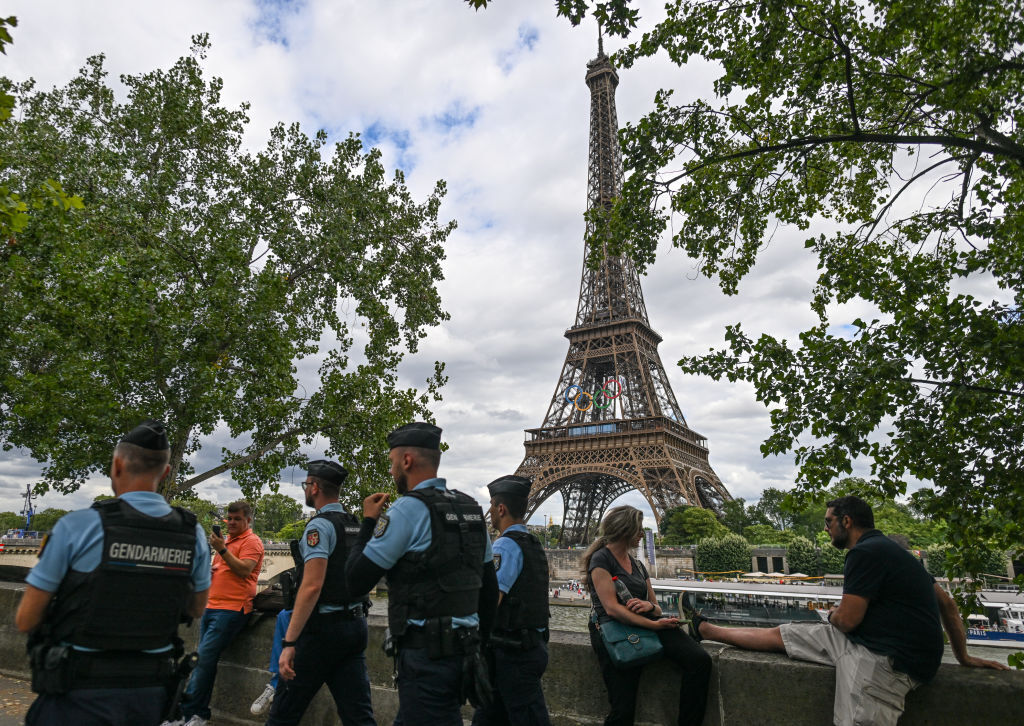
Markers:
(752, 689)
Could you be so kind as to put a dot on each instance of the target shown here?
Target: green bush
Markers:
(723, 554)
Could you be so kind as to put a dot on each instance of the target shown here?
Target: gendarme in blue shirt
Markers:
(76, 543)
(322, 544)
(406, 528)
(508, 558)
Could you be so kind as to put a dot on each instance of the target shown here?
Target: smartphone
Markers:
(216, 529)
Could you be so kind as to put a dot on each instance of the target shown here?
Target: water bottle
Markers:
(621, 591)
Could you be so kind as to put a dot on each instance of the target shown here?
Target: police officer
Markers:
(433, 546)
(326, 639)
(118, 576)
(517, 649)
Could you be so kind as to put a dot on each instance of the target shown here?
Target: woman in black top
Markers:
(609, 556)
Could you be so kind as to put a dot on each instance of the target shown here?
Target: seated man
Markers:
(236, 571)
(884, 638)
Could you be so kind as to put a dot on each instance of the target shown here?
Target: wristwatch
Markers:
(222, 551)
(288, 643)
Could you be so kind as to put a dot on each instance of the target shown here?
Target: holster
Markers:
(51, 669)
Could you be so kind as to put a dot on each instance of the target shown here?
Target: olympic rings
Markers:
(590, 398)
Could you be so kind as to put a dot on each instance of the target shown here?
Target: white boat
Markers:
(1006, 632)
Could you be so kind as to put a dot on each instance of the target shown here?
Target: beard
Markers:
(309, 502)
(401, 483)
(841, 539)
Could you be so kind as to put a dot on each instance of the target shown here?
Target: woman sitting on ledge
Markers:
(609, 556)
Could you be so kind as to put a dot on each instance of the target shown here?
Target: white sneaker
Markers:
(263, 701)
(197, 721)
(179, 722)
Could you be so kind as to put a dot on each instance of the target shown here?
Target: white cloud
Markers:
(495, 103)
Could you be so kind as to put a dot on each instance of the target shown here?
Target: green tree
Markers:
(14, 207)
(293, 530)
(10, 520)
(736, 515)
(701, 523)
(44, 520)
(723, 554)
(207, 513)
(273, 512)
(772, 509)
(895, 124)
(763, 534)
(671, 527)
(196, 277)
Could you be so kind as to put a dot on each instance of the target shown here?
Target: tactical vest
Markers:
(334, 590)
(444, 580)
(135, 597)
(525, 606)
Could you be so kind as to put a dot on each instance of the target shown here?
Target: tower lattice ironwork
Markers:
(613, 423)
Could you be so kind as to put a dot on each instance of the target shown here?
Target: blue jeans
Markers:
(216, 631)
(280, 630)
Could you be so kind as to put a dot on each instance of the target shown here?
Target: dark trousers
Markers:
(518, 696)
(330, 650)
(429, 691)
(622, 683)
(216, 631)
(100, 707)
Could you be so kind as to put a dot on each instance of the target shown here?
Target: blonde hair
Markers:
(621, 523)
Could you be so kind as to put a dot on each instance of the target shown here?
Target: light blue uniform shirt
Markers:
(508, 558)
(319, 539)
(76, 543)
(406, 528)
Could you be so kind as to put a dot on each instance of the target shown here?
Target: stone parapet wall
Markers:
(748, 689)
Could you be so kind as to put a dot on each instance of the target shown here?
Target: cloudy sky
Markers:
(495, 103)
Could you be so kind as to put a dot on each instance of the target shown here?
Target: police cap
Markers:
(330, 471)
(149, 434)
(513, 486)
(419, 434)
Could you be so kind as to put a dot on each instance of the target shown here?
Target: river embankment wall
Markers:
(752, 689)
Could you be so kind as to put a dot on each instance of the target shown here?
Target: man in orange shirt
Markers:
(236, 570)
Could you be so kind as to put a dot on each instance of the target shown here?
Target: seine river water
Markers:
(574, 619)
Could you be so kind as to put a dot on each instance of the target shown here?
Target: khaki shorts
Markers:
(868, 690)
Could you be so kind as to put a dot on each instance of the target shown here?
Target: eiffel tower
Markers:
(613, 423)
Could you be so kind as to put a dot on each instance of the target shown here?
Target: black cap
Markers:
(149, 434)
(515, 486)
(422, 435)
(330, 471)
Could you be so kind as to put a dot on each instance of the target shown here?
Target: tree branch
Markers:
(858, 138)
(239, 461)
(911, 180)
(848, 70)
(965, 386)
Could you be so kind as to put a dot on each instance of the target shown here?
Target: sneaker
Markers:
(197, 721)
(689, 614)
(263, 701)
(179, 722)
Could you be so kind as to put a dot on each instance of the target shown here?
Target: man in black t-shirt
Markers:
(884, 637)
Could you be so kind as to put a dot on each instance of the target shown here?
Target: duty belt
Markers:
(524, 639)
(441, 643)
(120, 669)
